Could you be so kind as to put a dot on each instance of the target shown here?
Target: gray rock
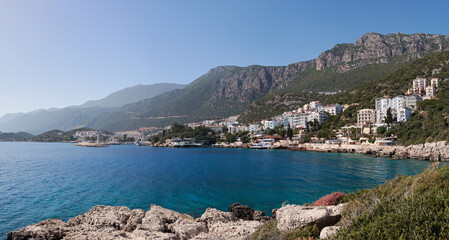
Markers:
(212, 216)
(105, 217)
(186, 228)
(50, 229)
(148, 235)
(237, 230)
(328, 232)
(291, 217)
(377, 48)
(241, 211)
(158, 218)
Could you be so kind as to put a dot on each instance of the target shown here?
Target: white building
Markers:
(383, 103)
(314, 104)
(300, 121)
(319, 116)
(430, 91)
(332, 109)
(380, 115)
(402, 114)
(254, 128)
(366, 116)
(398, 102)
(420, 83)
(271, 123)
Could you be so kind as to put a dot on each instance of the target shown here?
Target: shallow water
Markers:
(59, 180)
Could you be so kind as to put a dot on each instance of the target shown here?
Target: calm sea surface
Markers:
(58, 180)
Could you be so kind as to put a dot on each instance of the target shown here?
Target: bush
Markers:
(330, 199)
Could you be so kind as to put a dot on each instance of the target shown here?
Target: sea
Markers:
(60, 180)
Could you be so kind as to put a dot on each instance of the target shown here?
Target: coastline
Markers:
(238, 223)
(435, 151)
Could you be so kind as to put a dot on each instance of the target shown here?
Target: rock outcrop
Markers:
(377, 48)
(328, 232)
(107, 222)
(246, 213)
(435, 151)
(291, 217)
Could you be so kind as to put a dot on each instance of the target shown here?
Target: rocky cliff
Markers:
(377, 48)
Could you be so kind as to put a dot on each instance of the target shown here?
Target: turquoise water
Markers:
(57, 180)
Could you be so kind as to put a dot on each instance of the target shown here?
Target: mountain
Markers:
(257, 92)
(346, 66)
(15, 137)
(132, 94)
(39, 121)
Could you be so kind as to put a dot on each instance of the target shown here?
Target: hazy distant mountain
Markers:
(39, 121)
(132, 94)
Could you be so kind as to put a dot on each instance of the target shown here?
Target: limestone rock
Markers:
(237, 230)
(149, 235)
(106, 217)
(50, 229)
(186, 228)
(212, 216)
(291, 217)
(377, 48)
(158, 218)
(328, 232)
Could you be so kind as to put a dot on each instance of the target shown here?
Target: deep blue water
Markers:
(57, 180)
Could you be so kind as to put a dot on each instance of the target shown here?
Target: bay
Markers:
(59, 180)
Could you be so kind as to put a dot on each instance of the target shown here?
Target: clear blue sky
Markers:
(61, 53)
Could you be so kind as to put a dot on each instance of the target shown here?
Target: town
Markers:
(287, 129)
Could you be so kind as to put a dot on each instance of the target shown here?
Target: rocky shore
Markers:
(108, 222)
(436, 151)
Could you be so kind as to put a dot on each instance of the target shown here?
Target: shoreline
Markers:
(430, 151)
(435, 151)
(237, 223)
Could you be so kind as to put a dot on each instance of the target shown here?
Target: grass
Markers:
(407, 207)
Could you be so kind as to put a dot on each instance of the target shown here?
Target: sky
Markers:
(59, 53)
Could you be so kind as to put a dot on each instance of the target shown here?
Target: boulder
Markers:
(187, 228)
(328, 232)
(241, 211)
(50, 229)
(107, 217)
(158, 218)
(149, 235)
(260, 216)
(212, 216)
(291, 217)
(237, 230)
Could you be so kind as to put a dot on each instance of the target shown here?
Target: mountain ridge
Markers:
(230, 90)
(43, 120)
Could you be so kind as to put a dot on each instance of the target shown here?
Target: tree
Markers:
(230, 137)
(225, 129)
(245, 139)
(289, 133)
(389, 118)
(381, 130)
